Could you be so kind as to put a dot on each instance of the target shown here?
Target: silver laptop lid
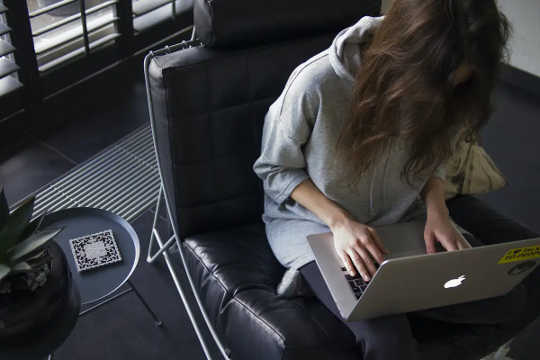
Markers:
(421, 282)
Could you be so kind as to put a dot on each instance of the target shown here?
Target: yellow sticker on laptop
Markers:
(519, 254)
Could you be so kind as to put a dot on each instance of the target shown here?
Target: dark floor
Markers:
(94, 127)
(123, 329)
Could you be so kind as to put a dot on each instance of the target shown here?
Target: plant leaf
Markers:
(33, 255)
(4, 271)
(15, 225)
(4, 208)
(22, 266)
(34, 242)
(32, 227)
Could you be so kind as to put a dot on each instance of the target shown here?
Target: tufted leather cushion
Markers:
(209, 107)
(237, 273)
(242, 23)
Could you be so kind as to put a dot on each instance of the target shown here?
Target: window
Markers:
(55, 44)
(9, 79)
(147, 13)
(63, 30)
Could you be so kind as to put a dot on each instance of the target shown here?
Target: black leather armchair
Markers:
(208, 103)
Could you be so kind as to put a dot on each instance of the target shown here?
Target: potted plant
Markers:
(35, 281)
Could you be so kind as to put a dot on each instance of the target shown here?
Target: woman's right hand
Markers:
(358, 247)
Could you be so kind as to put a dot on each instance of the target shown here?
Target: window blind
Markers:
(148, 13)
(9, 78)
(64, 30)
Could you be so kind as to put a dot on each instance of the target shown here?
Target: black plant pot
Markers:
(33, 325)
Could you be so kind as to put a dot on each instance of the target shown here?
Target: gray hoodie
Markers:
(299, 136)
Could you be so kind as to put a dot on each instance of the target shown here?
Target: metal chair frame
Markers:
(163, 247)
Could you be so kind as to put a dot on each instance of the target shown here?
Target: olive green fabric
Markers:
(472, 171)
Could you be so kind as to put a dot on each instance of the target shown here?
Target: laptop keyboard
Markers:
(357, 284)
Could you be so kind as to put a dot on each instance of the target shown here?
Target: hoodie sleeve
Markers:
(287, 127)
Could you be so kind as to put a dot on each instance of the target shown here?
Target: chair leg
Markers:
(224, 351)
(150, 258)
(157, 321)
(184, 301)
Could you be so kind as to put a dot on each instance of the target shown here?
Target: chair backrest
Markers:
(210, 103)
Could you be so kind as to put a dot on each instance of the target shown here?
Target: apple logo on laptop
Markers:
(454, 282)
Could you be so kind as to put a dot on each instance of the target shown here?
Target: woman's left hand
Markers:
(439, 228)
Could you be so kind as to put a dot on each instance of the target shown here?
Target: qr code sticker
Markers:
(95, 250)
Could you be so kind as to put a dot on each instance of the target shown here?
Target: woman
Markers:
(359, 138)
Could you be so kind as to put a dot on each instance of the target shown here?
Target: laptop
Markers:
(410, 280)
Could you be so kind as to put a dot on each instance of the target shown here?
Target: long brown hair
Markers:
(402, 89)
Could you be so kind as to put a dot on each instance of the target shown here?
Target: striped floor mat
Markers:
(123, 179)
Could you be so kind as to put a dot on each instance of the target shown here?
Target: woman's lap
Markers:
(512, 311)
(287, 239)
(396, 329)
(376, 337)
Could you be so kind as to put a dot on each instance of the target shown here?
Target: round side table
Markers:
(100, 285)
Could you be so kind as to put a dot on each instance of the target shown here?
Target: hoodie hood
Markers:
(345, 50)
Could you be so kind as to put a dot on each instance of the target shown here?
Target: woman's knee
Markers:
(388, 337)
(513, 305)
(394, 345)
